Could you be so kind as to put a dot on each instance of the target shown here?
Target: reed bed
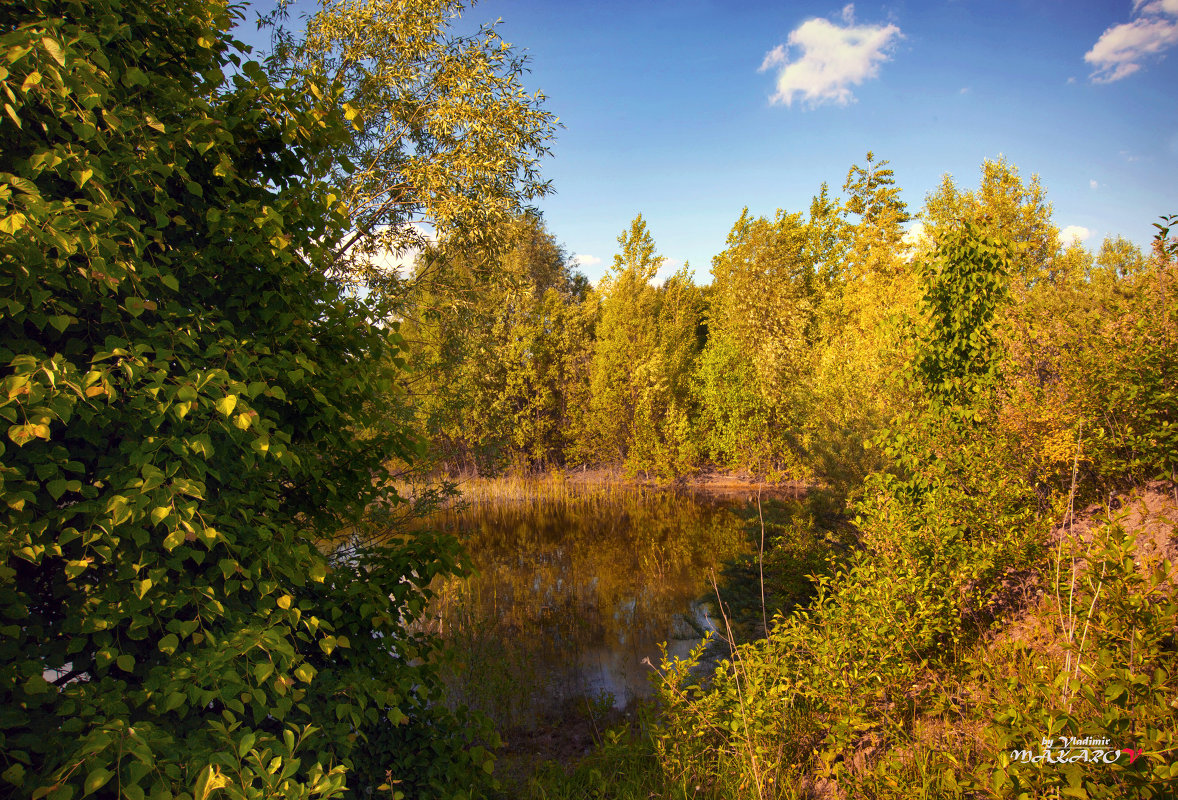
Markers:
(550, 487)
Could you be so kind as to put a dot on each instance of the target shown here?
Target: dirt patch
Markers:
(1029, 615)
(724, 484)
(1149, 512)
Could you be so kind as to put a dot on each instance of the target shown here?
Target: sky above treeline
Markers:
(686, 111)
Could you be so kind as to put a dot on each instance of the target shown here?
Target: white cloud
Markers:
(1092, 184)
(1156, 6)
(913, 239)
(586, 260)
(666, 269)
(915, 233)
(395, 263)
(1120, 50)
(399, 255)
(1074, 233)
(832, 59)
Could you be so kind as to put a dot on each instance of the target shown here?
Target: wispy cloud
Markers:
(828, 59)
(1092, 184)
(586, 260)
(1121, 49)
(1077, 233)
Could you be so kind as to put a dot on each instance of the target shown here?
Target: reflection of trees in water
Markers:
(590, 582)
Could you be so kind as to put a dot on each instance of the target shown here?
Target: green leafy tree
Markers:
(447, 142)
(1118, 259)
(761, 310)
(966, 281)
(1005, 206)
(876, 216)
(664, 437)
(187, 404)
(829, 241)
(493, 365)
(861, 331)
(627, 338)
(1073, 264)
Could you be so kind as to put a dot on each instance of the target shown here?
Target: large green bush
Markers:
(180, 389)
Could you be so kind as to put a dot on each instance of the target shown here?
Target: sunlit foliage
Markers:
(447, 142)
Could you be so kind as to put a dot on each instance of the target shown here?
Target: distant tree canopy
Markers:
(492, 362)
(803, 347)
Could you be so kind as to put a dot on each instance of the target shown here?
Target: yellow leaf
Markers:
(13, 223)
(226, 404)
(53, 49)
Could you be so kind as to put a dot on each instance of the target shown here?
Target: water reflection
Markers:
(571, 595)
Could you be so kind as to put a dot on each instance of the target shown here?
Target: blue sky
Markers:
(686, 111)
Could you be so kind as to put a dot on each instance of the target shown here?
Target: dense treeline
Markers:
(785, 364)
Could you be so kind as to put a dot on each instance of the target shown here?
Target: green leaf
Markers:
(15, 774)
(205, 783)
(226, 404)
(137, 305)
(97, 778)
(23, 434)
(126, 662)
(245, 745)
(169, 643)
(263, 671)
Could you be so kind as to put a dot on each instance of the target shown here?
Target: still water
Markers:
(572, 596)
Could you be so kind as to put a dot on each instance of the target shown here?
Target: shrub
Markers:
(181, 386)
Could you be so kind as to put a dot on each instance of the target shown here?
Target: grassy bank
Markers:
(1073, 643)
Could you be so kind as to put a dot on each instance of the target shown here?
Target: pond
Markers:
(574, 595)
